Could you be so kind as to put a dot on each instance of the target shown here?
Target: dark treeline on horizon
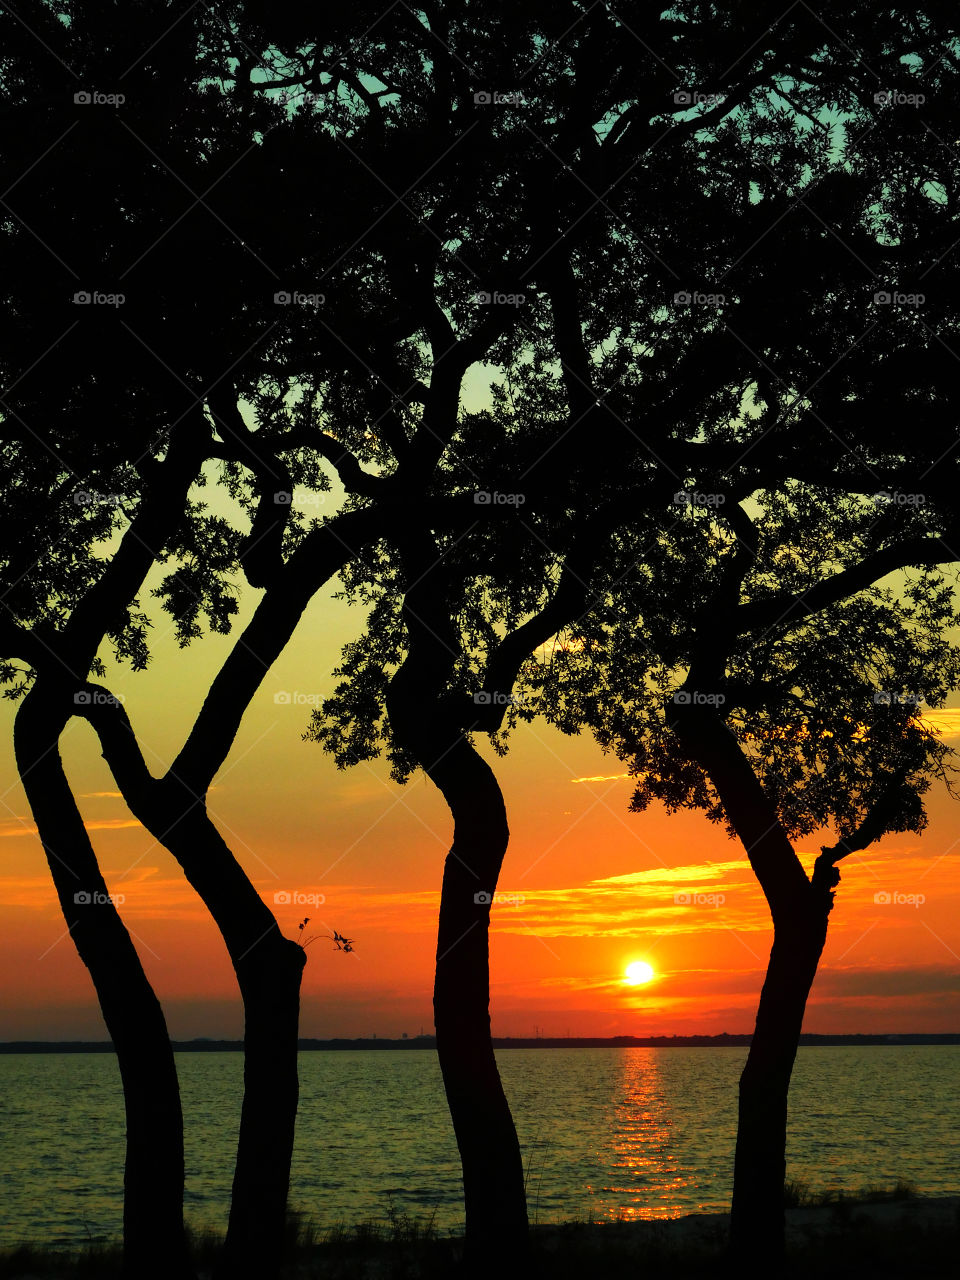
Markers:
(722, 1041)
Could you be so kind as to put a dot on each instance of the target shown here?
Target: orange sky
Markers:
(597, 884)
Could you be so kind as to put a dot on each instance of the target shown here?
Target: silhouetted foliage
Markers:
(325, 221)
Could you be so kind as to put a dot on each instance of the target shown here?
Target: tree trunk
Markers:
(154, 1244)
(757, 1211)
(494, 1196)
(269, 968)
(800, 910)
(270, 986)
(428, 725)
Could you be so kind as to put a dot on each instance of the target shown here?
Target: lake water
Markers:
(640, 1133)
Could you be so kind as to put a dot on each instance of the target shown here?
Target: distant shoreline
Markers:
(723, 1041)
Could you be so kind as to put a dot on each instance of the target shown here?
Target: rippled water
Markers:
(605, 1132)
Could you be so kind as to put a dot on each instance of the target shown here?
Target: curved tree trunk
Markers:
(800, 911)
(153, 1236)
(757, 1217)
(269, 968)
(425, 722)
(494, 1196)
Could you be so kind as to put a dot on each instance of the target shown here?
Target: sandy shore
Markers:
(804, 1225)
(891, 1238)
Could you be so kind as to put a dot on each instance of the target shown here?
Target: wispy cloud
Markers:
(602, 777)
(695, 871)
(27, 828)
(946, 720)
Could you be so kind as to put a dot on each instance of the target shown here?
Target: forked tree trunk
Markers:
(154, 1246)
(494, 1196)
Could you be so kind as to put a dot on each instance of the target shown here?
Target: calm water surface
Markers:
(640, 1133)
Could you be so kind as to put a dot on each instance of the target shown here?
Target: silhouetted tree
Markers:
(778, 699)
(111, 412)
(443, 191)
(592, 131)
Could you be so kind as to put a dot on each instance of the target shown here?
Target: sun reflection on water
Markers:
(649, 1179)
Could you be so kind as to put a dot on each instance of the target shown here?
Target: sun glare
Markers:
(638, 971)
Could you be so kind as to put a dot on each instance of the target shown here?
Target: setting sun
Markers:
(638, 971)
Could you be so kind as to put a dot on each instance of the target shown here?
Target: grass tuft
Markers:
(798, 1195)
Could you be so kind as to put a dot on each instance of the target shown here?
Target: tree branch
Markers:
(759, 615)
